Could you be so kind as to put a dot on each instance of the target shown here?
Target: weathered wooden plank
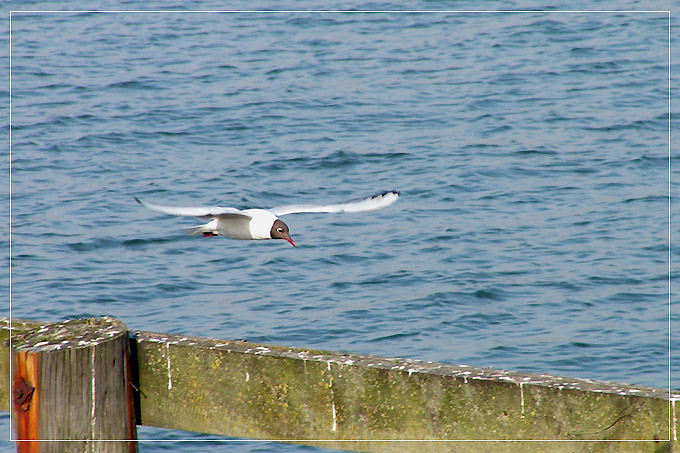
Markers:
(270, 392)
(354, 402)
(79, 373)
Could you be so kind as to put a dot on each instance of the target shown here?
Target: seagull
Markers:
(257, 224)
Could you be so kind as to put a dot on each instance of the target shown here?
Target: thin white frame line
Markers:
(338, 11)
(670, 403)
(301, 441)
(9, 258)
(668, 12)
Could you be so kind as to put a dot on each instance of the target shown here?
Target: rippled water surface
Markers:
(531, 151)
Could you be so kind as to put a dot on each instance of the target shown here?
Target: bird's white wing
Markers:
(379, 201)
(208, 211)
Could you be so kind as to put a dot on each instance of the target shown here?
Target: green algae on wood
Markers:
(271, 392)
(368, 403)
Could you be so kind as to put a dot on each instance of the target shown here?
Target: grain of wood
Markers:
(80, 371)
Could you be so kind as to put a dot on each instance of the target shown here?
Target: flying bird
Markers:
(257, 224)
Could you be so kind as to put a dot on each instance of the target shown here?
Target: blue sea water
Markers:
(531, 151)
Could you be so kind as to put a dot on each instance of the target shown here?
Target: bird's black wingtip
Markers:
(386, 193)
(138, 200)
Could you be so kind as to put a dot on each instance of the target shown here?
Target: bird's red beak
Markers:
(289, 239)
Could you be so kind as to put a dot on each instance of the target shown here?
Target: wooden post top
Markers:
(74, 334)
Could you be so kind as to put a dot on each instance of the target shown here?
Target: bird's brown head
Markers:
(280, 231)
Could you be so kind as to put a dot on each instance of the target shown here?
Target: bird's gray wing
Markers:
(206, 211)
(373, 203)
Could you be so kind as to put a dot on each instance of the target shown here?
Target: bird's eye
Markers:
(279, 229)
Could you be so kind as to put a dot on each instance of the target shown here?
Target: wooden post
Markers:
(72, 383)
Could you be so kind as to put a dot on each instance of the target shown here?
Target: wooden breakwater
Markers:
(345, 401)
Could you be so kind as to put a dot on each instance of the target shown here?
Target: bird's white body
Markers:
(258, 224)
(254, 224)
